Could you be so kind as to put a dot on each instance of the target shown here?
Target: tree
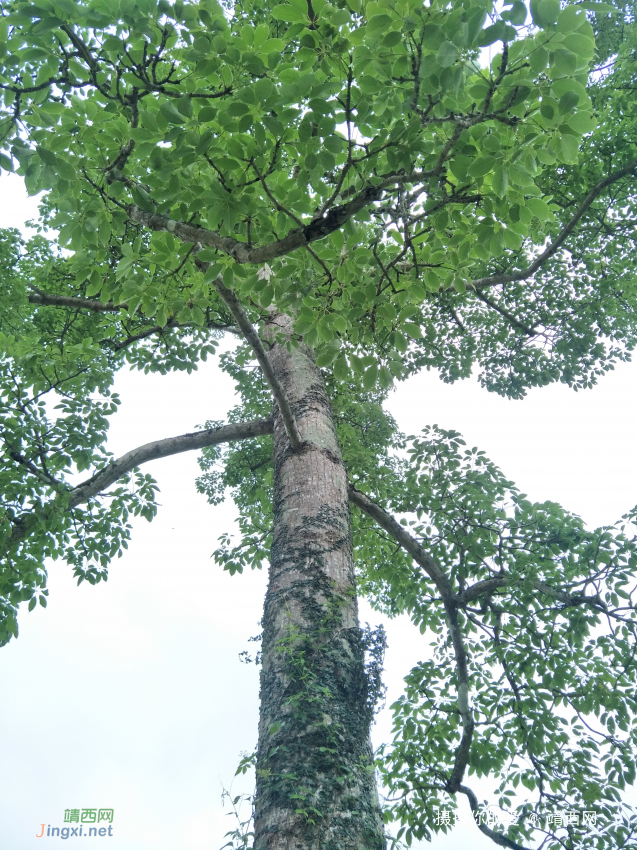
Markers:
(357, 194)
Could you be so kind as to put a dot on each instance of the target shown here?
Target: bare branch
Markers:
(252, 337)
(164, 448)
(409, 543)
(37, 296)
(496, 837)
(111, 473)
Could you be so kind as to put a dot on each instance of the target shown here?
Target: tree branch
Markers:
(111, 473)
(252, 337)
(44, 477)
(241, 252)
(530, 332)
(442, 582)
(409, 544)
(37, 296)
(46, 299)
(557, 243)
(496, 837)
(300, 237)
(489, 585)
(164, 448)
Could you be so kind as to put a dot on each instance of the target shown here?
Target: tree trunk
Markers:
(315, 779)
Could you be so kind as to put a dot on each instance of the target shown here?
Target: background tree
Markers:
(352, 191)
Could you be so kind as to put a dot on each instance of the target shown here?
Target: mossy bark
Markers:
(315, 779)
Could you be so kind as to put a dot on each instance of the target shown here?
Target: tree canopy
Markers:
(440, 185)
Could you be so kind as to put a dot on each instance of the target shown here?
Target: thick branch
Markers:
(437, 575)
(103, 479)
(409, 544)
(461, 759)
(489, 585)
(46, 299)
(245, 325)
(496, 837)
(481, 588)
(557, 243)
(241, 251)
(338, 216)
(164, 448)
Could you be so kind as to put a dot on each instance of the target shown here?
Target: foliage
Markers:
(552, 672)
(439, 185)
(422, 166)
(56, 399)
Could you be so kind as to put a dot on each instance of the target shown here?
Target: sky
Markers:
(130, 695)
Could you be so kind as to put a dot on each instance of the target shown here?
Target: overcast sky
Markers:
(130, 695)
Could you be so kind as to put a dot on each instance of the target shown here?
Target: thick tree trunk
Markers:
(315, 780)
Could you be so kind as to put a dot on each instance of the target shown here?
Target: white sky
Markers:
(130, 695)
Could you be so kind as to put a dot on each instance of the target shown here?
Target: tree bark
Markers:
(315, 778)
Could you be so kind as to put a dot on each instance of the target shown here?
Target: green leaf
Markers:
(339, 323)
(171, 113)
(564, 61)
(539, 208)
(208, 255)
(568, 102)
(370, 85)
(516, 15)
(264, 89)
(538, 58)
(546, 13)
(370, 377)
(392, 38)
(340, 370)
(481, 166)
(570, 19)
(500, 181)
(184, 106)
(379, 22)
(46, 155)
(412, 330)
(385, 377)
(329, 353)
(599, 8)
(5, 163)
(569, 147)
(289, 14)
(447, 54)
(547, 110)
(546, 156)
(581, 45)
(582, 122)
(489, 35)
